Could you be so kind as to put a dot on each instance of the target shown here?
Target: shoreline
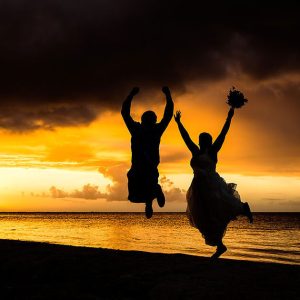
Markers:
(130, 212)
(33, 270)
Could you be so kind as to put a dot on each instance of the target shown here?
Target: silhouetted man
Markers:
(143, 175)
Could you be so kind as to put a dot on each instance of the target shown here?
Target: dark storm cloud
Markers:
(20, 119)
(64, 53)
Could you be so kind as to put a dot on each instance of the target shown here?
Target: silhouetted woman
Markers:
(211, 202)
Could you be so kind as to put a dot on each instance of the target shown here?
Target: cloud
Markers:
(88, 192)
(59, 57)
(20, 119)
(117, 191)
(171, 192)
(57, 193)
(274, 112)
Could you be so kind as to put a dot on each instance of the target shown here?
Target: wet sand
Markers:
(31, 270)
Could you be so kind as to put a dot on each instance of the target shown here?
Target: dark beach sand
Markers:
(44, 271)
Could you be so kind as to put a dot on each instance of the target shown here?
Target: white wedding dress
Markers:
(211, 202)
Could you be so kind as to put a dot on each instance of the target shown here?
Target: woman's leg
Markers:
(221, 248)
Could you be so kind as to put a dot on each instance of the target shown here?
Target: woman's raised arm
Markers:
(217, 145)
(188, 141)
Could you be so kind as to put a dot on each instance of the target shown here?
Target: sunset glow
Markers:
(63, 82)
(69, 158)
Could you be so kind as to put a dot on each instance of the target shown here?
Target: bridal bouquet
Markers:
(235, 98)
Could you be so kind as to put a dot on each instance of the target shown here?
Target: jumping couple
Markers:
(211, 202)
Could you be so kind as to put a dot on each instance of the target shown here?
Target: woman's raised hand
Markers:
(231, 112)
(177, 116)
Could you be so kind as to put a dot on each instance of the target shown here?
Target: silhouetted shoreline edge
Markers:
(32, 270)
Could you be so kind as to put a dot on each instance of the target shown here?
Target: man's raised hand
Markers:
(166, 90)
(134, 91)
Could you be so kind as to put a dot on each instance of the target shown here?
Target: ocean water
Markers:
(273, 237)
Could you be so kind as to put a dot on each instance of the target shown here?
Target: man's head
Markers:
(149, 118)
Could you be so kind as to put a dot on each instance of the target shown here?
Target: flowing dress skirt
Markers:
(211, 205)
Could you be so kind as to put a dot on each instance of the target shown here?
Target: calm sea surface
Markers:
(274, 237)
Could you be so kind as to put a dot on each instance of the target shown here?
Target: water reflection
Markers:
(273, 237)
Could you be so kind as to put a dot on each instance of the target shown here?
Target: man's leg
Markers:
(148, 209)
(135, 186)
(160, 196)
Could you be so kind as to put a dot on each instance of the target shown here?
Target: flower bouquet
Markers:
(235, 98)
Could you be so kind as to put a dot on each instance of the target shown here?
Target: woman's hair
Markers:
(149, 117)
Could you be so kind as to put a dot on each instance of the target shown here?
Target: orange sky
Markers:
(84, 168)
(66, 67)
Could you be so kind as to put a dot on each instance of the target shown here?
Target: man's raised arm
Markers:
(169, 109)
(125, 111)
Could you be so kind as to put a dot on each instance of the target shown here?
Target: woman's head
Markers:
(205, 140)
(149, 118)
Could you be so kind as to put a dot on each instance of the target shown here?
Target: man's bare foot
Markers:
(148, 210)
(220, 250)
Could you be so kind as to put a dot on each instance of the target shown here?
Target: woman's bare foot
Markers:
(220, 250)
